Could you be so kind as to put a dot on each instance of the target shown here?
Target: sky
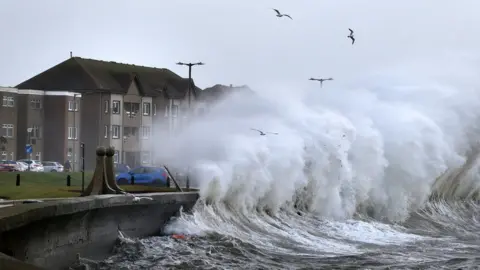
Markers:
(241, 42)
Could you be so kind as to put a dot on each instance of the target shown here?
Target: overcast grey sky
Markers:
(242, 42)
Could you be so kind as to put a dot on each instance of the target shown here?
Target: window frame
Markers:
(115, 127)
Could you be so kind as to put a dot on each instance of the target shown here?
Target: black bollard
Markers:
(69, 179)
(18, 180)
(132, 180)
(188, 182)
(168, 181)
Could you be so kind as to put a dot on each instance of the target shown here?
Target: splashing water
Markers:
(353, 177)
(381, 146)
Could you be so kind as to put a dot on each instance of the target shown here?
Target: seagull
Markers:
(351, 36)
(138, 199)
(281, 15)
(321, 80)
(264, 133)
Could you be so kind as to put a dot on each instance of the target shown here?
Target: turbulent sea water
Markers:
(382, 174)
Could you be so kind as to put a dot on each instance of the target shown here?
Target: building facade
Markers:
(126, 106)
(42, 119)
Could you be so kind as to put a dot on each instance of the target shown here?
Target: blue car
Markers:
(144, 176)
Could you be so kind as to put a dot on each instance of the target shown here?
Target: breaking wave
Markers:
(379, 147)
(381, 173)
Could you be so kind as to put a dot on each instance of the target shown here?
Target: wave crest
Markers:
(376, 149)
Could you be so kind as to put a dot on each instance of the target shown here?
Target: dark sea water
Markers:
(441, 236)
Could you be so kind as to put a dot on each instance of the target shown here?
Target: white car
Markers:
(52, 166)
(33, 165)
(22, 166)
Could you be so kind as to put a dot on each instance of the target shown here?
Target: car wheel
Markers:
(122, 181)
(53, 171)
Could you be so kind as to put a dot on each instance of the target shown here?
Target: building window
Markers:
(145, 132)
(131, 109)
(154, 107)
(36, 104)
(72, 133)
(130, 132)
(73, 106)
(105, 133)
(69, 153)
(174, 110)
(12, 156)
(116, 156)
(106, 106)
(146, 157)
(34, 132)
(7, 130)
(8, 101)
(38, 156)
(115, 131)
(116, 107)
(4, 155)
(146, 108)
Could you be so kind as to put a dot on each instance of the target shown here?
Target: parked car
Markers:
(5, 168)
(52, 166)
(22, 166)
(11, 164)
(33, 165)
(121, 168)
(144, 175)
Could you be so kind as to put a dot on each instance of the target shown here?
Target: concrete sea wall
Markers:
(50, 234)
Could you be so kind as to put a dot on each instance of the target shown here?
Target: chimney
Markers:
(71, 54)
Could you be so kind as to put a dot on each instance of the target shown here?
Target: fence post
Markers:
(132, 180)
(69, 180)
(18, 180)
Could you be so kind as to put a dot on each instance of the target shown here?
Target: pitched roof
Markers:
(219, 90)
(81, 74)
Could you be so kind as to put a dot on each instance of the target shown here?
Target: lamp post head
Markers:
(200, 63)
(180, 63)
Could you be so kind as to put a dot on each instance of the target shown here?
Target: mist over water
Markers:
(379, 171)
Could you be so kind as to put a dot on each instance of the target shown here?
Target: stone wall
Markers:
(50, 234)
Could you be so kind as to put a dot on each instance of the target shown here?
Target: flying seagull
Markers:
(264, 133)
(351, 36)
(321, 80)
(281, 15)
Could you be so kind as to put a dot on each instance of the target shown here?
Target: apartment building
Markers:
(37, 118)
(121, 105)
(8, 122)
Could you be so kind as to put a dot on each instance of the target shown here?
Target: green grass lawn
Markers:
(34, 185)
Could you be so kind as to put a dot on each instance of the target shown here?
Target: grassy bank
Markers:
(54, 185)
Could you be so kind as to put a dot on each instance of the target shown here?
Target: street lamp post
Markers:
(82, 145)
(321, 80)
(75, 108)
(190, 65)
